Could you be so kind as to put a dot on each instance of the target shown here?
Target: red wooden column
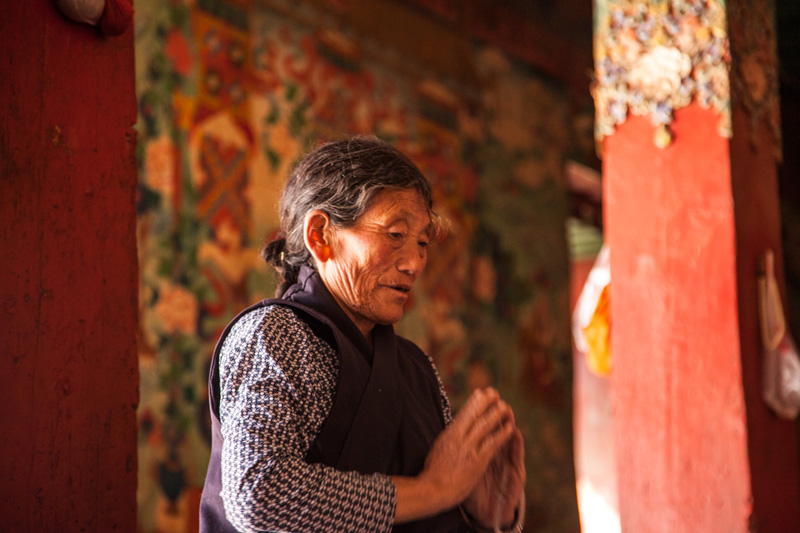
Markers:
(680, 424)
(697, 449)
(68, 274)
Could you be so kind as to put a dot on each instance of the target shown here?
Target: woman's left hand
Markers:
(494, 499)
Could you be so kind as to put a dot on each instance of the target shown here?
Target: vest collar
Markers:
(311, 291)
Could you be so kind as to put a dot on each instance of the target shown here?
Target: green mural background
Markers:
(231, 94)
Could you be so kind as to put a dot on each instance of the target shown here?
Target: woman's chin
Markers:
(390, 318)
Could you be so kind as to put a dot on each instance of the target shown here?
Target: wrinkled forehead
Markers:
(393, 202)
(408, 204)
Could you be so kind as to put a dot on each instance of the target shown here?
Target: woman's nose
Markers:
(413, 259)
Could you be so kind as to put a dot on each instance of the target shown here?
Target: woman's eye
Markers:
(396, 235)
(423, 244)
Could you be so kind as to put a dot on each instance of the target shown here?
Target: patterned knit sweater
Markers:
(277, 386)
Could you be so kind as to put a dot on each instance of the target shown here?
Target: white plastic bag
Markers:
(781, 363)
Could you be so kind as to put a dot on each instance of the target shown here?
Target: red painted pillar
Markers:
(68, 274)
(680, 423)
(686, 224)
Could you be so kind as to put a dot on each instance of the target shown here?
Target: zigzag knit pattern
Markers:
(277, 387)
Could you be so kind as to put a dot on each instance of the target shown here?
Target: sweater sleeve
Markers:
(277, 386)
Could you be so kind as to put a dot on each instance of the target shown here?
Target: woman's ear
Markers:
(317, 234)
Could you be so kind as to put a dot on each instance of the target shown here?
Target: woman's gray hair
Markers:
(339, 178)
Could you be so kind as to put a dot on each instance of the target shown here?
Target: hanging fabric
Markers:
(598, 335)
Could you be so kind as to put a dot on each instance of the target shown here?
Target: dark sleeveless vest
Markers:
(385, 415)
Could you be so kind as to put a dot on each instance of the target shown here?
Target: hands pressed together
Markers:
(477, 461)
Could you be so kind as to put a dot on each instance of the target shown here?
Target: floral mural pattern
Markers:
(231, 94)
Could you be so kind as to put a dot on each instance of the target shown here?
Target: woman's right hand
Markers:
(458, 458)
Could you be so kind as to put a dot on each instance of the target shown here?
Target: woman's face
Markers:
(374, 263)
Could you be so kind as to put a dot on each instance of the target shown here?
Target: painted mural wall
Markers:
(231, 94)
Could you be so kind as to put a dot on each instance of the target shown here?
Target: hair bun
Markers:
(274, 251)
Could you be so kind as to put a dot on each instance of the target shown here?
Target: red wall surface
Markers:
(68, 265)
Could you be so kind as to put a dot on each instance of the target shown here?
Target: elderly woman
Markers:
(324, 419)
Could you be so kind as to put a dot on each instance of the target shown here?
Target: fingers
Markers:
(517, 463)
(483, 405)
(486, 423)
(513, 454)
(477, 403)
(482, 433)
(491, 434)
(518, 449)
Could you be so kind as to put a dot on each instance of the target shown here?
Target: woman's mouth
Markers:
(403, 288)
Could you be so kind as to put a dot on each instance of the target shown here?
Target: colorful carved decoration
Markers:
(653, 57)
